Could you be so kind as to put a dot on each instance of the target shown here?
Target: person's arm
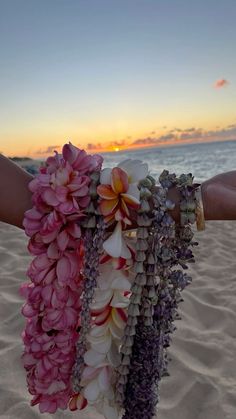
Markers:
(15, 197)
(218, 196)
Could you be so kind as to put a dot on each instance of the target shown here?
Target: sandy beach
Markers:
(202, 384)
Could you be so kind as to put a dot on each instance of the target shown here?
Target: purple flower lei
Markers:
(93, 239)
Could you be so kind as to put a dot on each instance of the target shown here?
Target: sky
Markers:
(110, 75)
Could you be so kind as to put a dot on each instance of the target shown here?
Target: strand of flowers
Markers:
(93, 240)
(178, 280)
(60, 195)
(136, 290)
(149, 358)
(93, 244)
(140, 394)
(118, 193)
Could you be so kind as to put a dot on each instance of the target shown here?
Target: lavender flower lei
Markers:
(167, 246)
(93, 240)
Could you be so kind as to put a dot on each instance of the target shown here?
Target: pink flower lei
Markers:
(60, 197)
(64, 279)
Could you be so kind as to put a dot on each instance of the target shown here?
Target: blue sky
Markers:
(111, 71)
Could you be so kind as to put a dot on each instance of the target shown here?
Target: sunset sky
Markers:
(115, 74)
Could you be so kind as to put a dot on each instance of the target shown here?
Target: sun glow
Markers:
(116, 149)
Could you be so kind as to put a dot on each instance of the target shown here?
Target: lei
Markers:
(105, 283)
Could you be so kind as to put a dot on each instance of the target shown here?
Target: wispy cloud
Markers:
(91, 146)
(221, 83)
(192, 134)
(48, 150)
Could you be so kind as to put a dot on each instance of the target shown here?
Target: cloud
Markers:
(118, 143)
(145, 141)
(48, 150)
(190, 134)
(91, 146)
(221, 83)
(153, 141)
(166, 137)
(225, 133)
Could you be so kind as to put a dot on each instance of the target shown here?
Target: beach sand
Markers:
(202, 384)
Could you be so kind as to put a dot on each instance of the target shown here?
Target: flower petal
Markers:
(120, 283)
(115, 245)
(88, 374)
(108, 206)
(136, 169)
(116, 332)
(104, 379)
(110, 412)
(119, 180)
(62, 240)
(119, 317)
(103, 345)
(134, 191)
(106, 192)
(119, 300)
(77, 402)
(50, 197)
(105, 177)
(102, 318)
(93, 358)
(91, 391)
(113, 355)
(131, 201)
(99, 331)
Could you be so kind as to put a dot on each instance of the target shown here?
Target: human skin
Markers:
(218, 195)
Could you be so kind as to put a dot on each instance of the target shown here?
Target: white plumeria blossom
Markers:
(104, 339)
(108, 307)
(115, 245)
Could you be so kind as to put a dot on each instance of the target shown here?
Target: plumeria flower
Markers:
(109, 317)
(118, 190)
(116, 245)
(119, 263)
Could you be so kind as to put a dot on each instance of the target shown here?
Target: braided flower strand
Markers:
(60, 196)
(168, 247)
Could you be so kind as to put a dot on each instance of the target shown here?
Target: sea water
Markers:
(203, 160)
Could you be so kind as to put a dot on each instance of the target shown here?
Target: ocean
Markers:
(203, 160)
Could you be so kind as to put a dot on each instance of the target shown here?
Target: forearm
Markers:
(15, 197)
(218, 196)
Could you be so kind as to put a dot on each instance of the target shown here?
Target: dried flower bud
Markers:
(140, 279)
(142, 233)
(140, 256)
(142, 245)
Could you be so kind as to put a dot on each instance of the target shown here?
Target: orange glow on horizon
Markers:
(112, 141)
